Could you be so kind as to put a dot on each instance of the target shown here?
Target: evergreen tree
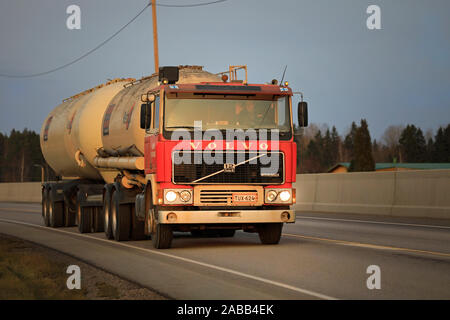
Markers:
(19, 152)
(335, 146)
(349, 141)
(412, 144)
(429, 150)
(363, 157)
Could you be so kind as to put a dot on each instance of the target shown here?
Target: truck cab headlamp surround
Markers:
(170, 196)
(178, 196)
(279, 196)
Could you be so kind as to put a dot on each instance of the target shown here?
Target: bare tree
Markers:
(391, 137)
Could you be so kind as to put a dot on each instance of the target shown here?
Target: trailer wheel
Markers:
(162, 237)
(107, 212)
(120, 218)
(45, 207)
(55, 212)
(137, 226)
(69, 213)
(97, 215)
(270, 233)
(83, 217)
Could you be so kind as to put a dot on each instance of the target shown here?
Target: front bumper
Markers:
(224, 216)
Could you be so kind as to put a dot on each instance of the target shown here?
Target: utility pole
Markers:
(155, 37)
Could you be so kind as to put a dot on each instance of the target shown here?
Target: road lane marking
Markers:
(375, 222)
(207, 265)
(367, 245)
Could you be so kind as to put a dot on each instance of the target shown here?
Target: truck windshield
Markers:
(222, 114)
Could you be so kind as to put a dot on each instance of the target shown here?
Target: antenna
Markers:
(282, 78)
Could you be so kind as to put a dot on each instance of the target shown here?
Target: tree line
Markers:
(320, 148)
(21, 157)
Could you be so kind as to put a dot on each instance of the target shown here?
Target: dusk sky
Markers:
(397, 75)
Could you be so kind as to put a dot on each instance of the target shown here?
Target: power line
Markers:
(105, 41)
(79, 58)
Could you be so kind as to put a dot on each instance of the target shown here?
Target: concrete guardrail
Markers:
(422, 193)
(20, 192)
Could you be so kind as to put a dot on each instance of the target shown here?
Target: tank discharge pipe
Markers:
(130, 163)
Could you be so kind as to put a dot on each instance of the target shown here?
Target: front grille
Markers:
(258, 171)
(226, 195)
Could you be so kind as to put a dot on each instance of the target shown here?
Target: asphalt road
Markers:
(319, 257)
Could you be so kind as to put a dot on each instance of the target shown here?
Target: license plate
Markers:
(245, 198)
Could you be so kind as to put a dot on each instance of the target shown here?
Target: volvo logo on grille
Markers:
(228, 167)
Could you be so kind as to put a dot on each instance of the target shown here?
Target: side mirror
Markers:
(302, 114)
(146, 115)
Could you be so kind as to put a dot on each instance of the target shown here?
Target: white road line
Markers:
(374, 222)
(207, 265)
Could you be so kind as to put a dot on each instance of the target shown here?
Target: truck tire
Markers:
(84, 218)
(55, 212)
(120, 218)
(69, 213)
(107, 212)
(98, 223)
(45, 207)
(270, 233)
(162, 237)
(137, 226)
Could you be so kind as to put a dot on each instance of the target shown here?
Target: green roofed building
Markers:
(391, 166)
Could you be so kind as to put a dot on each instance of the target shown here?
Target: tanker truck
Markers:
(182, 150)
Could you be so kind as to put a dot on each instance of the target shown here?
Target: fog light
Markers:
(271, 195)
(171, 196)
(285, 196)
(185, 195)
(285, 216)
(171, 217)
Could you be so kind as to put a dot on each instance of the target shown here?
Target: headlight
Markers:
(185, 195)
(271, 195)
(171, 196)
(285, 196)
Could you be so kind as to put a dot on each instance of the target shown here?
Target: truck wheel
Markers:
(55, 212)
(120, 218)
(162, 237)
(226, 233)
(270, 233)
(45, 207)
(98, 223)
(84, 219)
(69, 214)
(137, 226)
(107, 213)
